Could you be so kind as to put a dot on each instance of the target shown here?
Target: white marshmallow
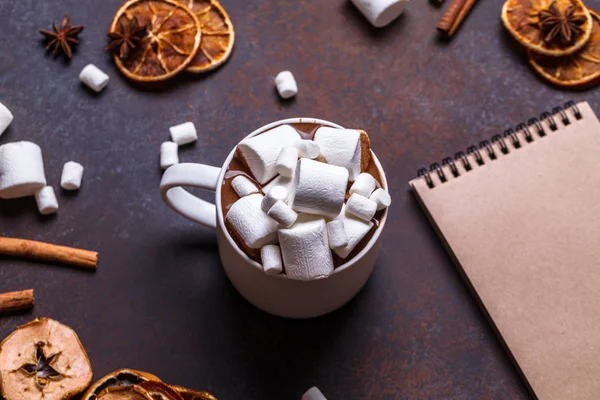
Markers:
(71, 176)
(361, 207)
(356, 230)
(319, 188)
(21, 170)
(286, 84)
(380, 12)
(261, 152)
(6, 118)
(278, 193)
(313, 394)
(346, 148)
(283, 214)
(287, 183)
(382, 198)
(184, 133)
(46, 200)
(270, 255)
(308, 149)
(93, 77)
(253, 226)
(243, 186)
(286, 162)
(364, 185)
(305, 249)
(168, 154)
(337, 235)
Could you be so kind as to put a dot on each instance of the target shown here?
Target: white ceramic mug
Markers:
(277, 294)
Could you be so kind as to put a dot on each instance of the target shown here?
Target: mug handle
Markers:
(194, 175)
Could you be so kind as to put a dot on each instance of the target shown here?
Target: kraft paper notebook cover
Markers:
(520, 216)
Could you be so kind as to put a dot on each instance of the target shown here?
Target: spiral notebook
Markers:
(520, 216)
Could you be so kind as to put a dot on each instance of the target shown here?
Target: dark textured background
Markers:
(160, 300)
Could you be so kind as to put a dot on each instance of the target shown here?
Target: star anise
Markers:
(62, 39)
(563, 25)
(42, 370)
(131, 33)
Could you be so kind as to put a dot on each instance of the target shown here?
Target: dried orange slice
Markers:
(218, 35)
(549, 27)
(172, 39)
(189, 394)
(574, 70)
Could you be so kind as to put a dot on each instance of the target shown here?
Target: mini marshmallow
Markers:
(287, 183)
(308, 149)
(251, 224)
(305, 249)
(6, 118)
(71, 176)
(319, 188)
(380, 12)
(356, 230)
(261, 152)
(278, 193)
(361, 207)
(286, 162)
(283, 214)
(46, 200)
(337, 235)
(364, 185)
(168, 154)
(348, 148)
(270, 255)
(382, 198)
(21, 170)
(243, 186)
(286, 84)
(93, 77)
(184, 133)
(313, 394)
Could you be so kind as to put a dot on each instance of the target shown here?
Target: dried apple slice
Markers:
(43, 359)
(189, 394)
(218, 35)
(575, 70)
(549, 27)
(170, 44)
(119, 378)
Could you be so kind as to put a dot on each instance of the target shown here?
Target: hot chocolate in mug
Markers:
(276, 294)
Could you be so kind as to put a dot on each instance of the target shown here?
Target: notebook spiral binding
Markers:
(534, 124)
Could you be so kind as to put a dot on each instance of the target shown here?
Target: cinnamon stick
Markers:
(15, 301)
(48, 252)
(454, 16)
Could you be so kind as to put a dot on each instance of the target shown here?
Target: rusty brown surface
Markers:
(160, 301)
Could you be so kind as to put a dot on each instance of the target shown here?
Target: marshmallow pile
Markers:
(305, 200)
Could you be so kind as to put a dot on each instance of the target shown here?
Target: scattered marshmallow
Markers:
(71, 176)
(6, 118)
(337, 235)
(287, 183)
(286, 162)
(46, 200)
(184, 133)
(313, 394)
(93, 77)
(262, 151)
(382, 198)
(286, 84)
(21, 170)
(320, 188)
(380, 12)
(252, 225)
(283, 214)
(243, 186)
(305, 249)
(278, 193)
(348, 148)
(308, 149)
(364, 185)
(270, 255)
(168, 154)
(356, 230)
(361, 207)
